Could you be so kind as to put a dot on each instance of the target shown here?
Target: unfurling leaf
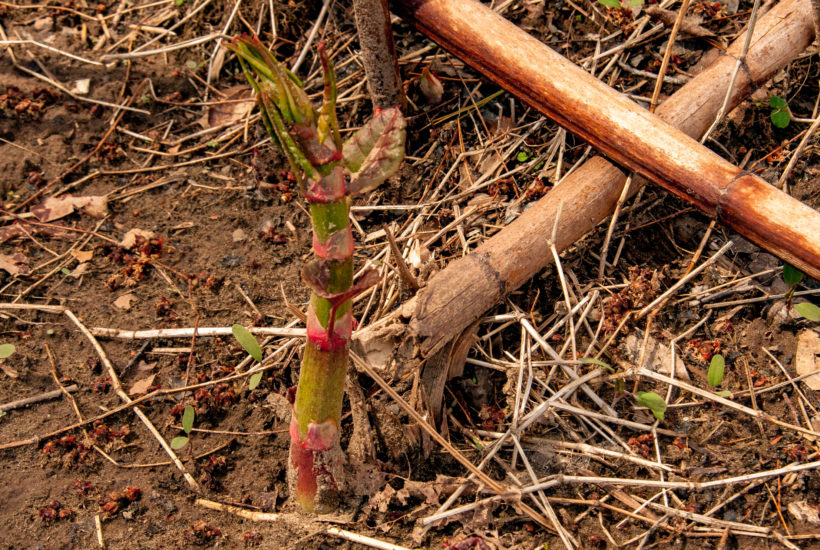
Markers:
(188, 419)
(179, 442)
(375, 152)
(651, 401)
(716, 369)
(254, 380)
(247, 341)
(792, 275)
(430, 86)
(808, 310)
(724, 393)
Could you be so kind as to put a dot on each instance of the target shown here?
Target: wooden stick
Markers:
(378, 53)
(39, 398)
(511, 257)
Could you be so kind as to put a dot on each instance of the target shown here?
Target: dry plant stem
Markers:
(378, 53)
(105, 332)
(490, 483)
(514, 255)
(666, 54)
(39, 398)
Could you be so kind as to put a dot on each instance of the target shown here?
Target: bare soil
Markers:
(228, 236)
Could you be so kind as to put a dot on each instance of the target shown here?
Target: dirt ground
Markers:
(136, 203)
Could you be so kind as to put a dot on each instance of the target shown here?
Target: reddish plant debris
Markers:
(252, 538)
(536, 189)
(491, 417)
(68, 451)
(797, 453)
(54, 511)
(137, 261)
(17, 104)
(208, 401)
(116, 501)
(680, 443)
(708, 10)
(101, 385)
(201, 533)
(101, 434)
(501, 187)
(214, 468)
(758, 379)
(705, 349)
(470, 543)
(644, 285)
(83, 487)
(641, 444)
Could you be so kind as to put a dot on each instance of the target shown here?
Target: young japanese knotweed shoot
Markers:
(329, 173)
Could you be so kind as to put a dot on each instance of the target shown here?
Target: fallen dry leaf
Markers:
(54, 208)
(130, 238)
(657, 357)
(238, 103)
(15, 264)
(82, 255)
(803, 511)
(141, 386)
(22, 229)
(238, 236)
(806, 360)
(10, 372)
(80, 270)
(124, 302)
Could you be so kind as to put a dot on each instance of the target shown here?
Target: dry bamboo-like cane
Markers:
(378, 53)
(617, 127)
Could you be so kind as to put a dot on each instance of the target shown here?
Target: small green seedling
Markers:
(792, 276)
(716, 370)
(247, 341)
(6, 350)
(617, 3)
(781, 116)
(593, 361)
(187, 426)
(651, 401)
(523, 156)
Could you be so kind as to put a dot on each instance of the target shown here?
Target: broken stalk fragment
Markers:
(330, 173)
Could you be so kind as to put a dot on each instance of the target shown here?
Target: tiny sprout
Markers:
(254, 380)
(523, 156)
(716, 370)
(780, 111)
(65, 271)
(247, 341)
(6, 350)
(593, 361)
(187, 426)
(651, 401)
(610, 3)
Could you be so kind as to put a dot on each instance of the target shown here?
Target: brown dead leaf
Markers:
(15, 264)
(10, 372)
(82, 255)
(806, 360)
(238, 103)
(690, 24)
(141, 386)
(124, 302)
(54, 208)
(238, 236)
(130, 238)
(80, 270)
(22, 229)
